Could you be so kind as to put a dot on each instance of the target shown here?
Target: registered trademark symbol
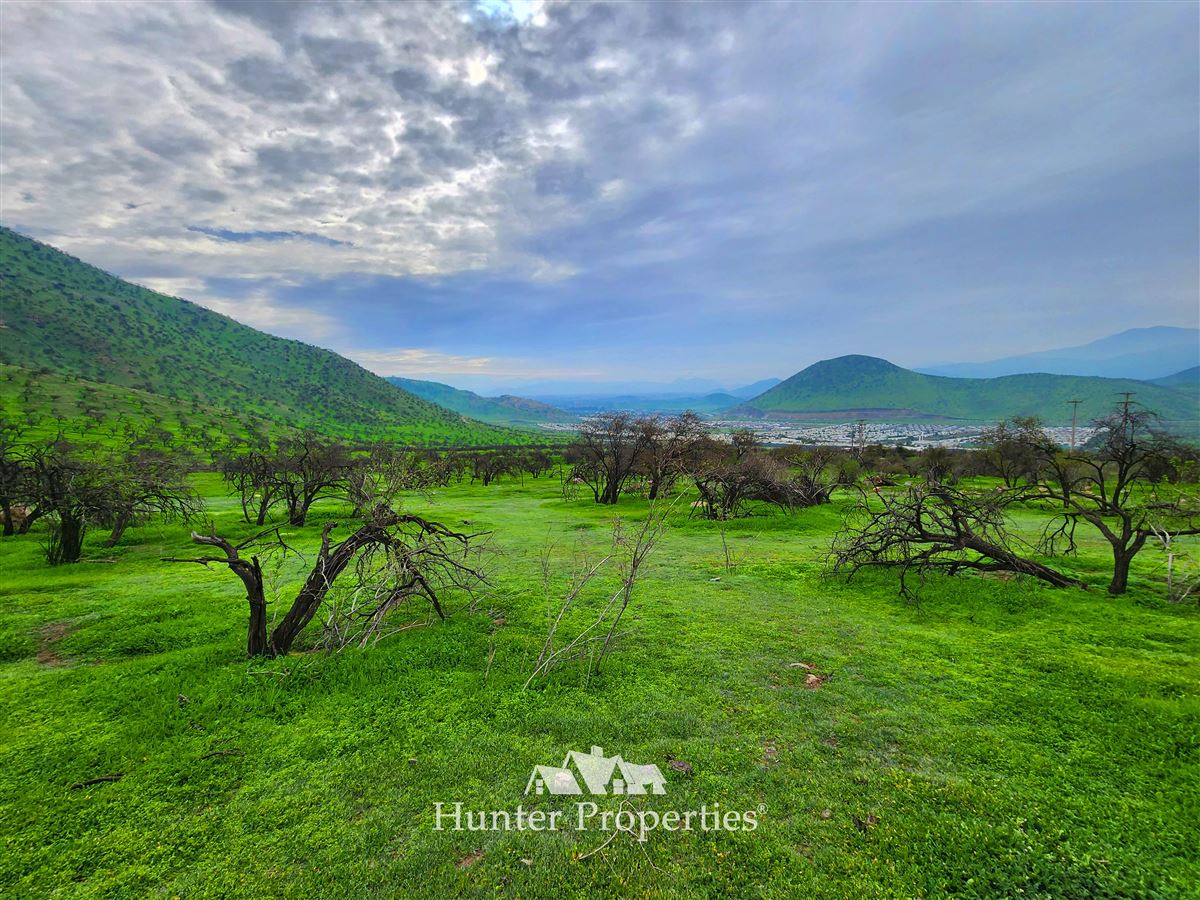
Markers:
(762, 807)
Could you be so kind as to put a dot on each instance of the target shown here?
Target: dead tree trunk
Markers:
(329, 565)
(120, 523)
(250, 572)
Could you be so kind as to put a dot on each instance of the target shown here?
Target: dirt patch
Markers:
(48, 638)
(770, 754)
(470, 859)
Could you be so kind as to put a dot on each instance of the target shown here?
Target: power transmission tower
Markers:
(1074, 414)
(1126, 425)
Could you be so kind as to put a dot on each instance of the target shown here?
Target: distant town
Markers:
(913, 435)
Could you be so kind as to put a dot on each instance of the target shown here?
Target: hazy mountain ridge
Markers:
(1144, 354)
(504, 410)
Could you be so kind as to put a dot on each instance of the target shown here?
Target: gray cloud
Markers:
(782, 159)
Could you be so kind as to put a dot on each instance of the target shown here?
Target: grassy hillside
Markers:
(503, 410)
(53, 399)
(865, 387)
(64, 317)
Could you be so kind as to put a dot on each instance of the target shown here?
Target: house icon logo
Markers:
(600, 774)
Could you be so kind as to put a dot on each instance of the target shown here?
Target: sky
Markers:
(509, 192)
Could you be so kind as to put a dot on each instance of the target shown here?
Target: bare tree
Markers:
(152, 483)
(819, 472)
(308, 468)
(925, 528)
(537, 462)
(68, 487)
(251, 471)
(608, 448)
(387, 472)
(1122, 485)
(730, 476)
(594, 640)
(402, 557)
(12, 471)
(1010, 449)
(668, 447)
(78, 485)
(488, 465)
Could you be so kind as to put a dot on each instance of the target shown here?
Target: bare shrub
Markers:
(595, 639)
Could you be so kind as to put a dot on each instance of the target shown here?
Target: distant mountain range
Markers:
(864, 387)
(506, 409)
(587, 403)
(1141, 353)
(76, 338)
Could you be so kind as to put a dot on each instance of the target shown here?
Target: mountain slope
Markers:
(64, 316)
(1188, 379)
(503, 410)
(852, 387)
(1141, 353)
(753, 390)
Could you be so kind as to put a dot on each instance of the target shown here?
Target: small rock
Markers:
(864, 824)
(827, 814)
(678, 765)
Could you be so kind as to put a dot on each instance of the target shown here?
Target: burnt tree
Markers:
(425, 560)
(607, 451)
(927, 528)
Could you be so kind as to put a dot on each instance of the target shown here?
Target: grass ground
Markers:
(1000, 739)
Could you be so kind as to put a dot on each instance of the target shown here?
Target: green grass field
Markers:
(999, 739)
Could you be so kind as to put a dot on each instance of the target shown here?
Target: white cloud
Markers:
(257, 308)
(419, 362)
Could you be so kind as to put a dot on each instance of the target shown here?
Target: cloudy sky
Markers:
(490, 193)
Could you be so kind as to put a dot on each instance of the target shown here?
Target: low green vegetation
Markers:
(1000, 738)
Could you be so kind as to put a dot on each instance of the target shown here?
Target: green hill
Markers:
(61, 316)
(503, 410)
(864, 387)
(1188, 379)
